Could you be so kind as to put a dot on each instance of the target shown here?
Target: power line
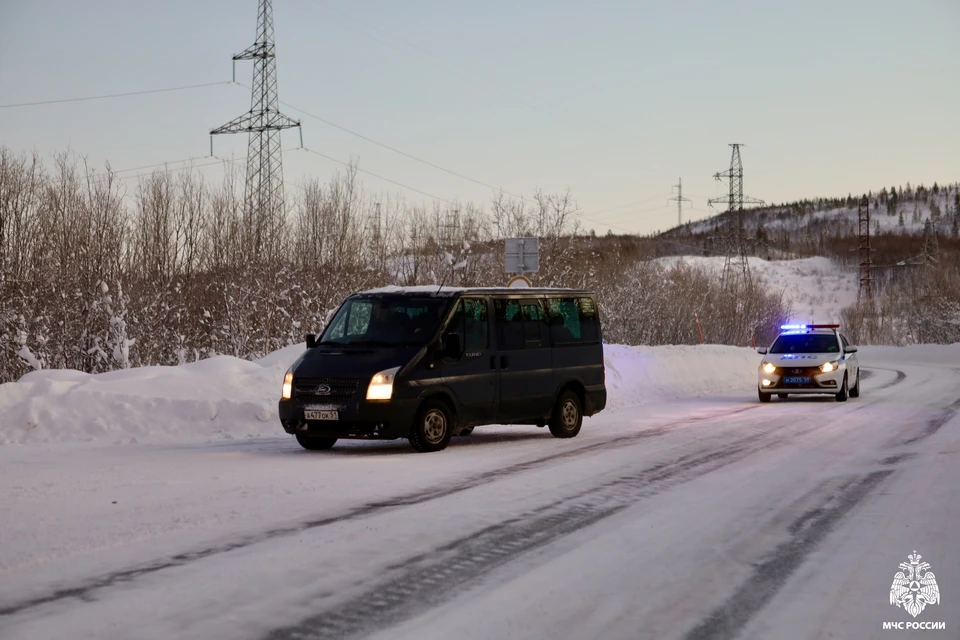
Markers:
(114, 95)
(400, 152)
(379, 177)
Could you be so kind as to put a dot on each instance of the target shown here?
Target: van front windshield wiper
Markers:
(365, 343)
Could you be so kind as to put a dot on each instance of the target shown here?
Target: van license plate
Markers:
(797, 380)
(321, 415)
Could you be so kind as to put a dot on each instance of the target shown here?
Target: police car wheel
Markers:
(855, 389)
(842, 395)
(764, 397)
(313, 443)
(783, 396)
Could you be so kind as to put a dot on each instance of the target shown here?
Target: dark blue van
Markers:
(427, 364)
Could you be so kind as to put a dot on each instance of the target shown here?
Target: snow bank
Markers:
(226, 397)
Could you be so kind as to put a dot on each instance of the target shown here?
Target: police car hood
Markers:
(801, 359)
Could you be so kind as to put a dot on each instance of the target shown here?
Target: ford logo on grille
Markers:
(798, 370)
(324, 390)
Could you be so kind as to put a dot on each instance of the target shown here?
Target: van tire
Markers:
(764, 396)
(567, 417)
(313, 443)
(433, 427)
(783, 396)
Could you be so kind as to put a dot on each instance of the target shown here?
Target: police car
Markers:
(809, 358)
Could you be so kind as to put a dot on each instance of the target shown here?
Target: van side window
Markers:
(589, 325)
(533, 323)
(509, 324)
(564, 315)
(475, 324)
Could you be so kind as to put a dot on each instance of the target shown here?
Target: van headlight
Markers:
(287, 384)
(769, 367)
(827, 367)
(381, 385)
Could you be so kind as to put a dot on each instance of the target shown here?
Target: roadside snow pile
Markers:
(226, 397)
(638, 375)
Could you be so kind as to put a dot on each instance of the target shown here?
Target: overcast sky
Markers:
(613, 99)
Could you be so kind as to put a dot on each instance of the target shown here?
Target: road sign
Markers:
(522, 255)
(519, 282)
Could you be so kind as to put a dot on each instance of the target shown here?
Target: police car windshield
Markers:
(386, 321)
(806, 343)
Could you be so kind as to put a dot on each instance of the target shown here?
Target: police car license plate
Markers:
(321, 415)
(796, 380)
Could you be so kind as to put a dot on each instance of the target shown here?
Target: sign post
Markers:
(521, 255)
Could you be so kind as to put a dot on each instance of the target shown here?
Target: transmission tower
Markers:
(263, 202)
(450, 229)
(866, 262)
(680, 200)
(734, 242)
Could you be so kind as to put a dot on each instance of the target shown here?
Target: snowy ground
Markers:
(816, 289)
(687, 510)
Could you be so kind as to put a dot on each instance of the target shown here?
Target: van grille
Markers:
(341, 389)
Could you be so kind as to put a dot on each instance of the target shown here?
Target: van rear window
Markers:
(573, 320)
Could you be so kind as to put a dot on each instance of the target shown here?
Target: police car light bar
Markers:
(802, 327)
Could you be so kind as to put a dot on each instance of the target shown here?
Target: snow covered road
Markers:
(704, 517)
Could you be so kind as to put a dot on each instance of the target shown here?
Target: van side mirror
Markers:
(762, 351)
(451, 346)
(311, 340)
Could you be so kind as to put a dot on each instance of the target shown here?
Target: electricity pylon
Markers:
(735, 265)
(680, 200)
(264, 209)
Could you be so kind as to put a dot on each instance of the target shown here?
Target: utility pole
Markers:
(680, 200)
(866, 262)
(735, 264)
(264, 203)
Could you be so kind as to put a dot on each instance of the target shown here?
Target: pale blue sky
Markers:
(614, 99)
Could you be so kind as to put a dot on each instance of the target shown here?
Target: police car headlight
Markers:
(768, 367)
(381, 385)
(827, 367)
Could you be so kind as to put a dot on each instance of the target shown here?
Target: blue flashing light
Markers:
(796, 327)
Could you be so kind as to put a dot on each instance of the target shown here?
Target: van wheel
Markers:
(567, 415)
(842, 394)
(782, 396)
(465, 431)
(433, 427)
(855, 389)
(314, 443)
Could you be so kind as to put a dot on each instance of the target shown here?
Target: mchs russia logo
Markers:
(913, 588)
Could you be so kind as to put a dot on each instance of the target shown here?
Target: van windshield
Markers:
(806, 343)
(386, 321)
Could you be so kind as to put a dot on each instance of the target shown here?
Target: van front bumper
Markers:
(363, 420)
